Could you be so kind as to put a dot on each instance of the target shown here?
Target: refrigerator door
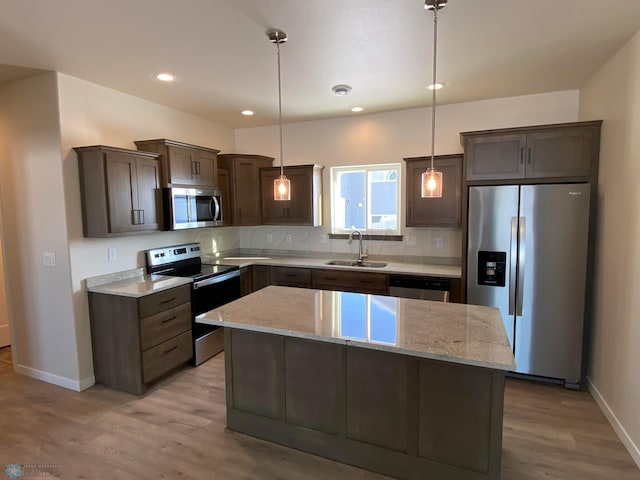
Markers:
(553, 230)
(492, 227)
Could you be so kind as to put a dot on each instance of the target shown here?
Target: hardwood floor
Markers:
(178, 431)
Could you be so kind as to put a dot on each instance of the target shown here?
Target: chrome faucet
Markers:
(361, 256)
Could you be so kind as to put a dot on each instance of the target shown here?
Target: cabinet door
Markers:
(148, 186)
(559, 153)
(495, 157)
(245, 281)
(274, 212)
(224, 184)
(247, 193)
(122, 192)
(435, 212)
(300, 208)
(182, 166)
(206, 168)
(260, 277)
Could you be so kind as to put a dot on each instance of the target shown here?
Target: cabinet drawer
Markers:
(165, 325)
(350, 281)
(158, 302)
(291, 276)
(165, 357)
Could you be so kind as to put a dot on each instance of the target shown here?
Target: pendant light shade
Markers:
(431, 184)
(432, 179)
(281, 185)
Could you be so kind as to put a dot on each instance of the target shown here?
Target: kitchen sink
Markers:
(353, 263)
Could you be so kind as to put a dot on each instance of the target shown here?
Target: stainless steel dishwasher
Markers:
(425, 288)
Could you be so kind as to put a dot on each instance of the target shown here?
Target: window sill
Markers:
(367, 236)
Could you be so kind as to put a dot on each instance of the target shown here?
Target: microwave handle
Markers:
(215, 216)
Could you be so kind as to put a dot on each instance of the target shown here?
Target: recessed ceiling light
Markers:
(248, 113)
(166, 77)
(436, 86)
(341, 90)
(357, 109)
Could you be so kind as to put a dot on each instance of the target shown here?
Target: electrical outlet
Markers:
(289, 238)
(112, 253)
(438, 242)
(49, 259)
(269, 237)
(323, 238)
(411, 241)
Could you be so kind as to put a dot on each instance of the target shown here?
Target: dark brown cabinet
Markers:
(119, 191)
(245, 281)
(137, 341)
(305, 206)
(291, 277)
(260, 277)
(350, 281)
(434, 212)
(239, 177)
(541, 152)
(182, 163)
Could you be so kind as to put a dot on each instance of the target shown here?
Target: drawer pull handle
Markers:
(366, 281)
(169, 300)
(170, 350)
(330, 278)
(168, 319)
(291, 274)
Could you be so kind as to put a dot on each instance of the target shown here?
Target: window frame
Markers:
(367, 230)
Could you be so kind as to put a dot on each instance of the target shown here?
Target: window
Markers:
(367, 198)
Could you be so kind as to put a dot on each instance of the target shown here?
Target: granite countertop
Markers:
(133, 283)
(432, 270)
(457, 333)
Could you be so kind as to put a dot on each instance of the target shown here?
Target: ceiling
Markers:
(382, 48)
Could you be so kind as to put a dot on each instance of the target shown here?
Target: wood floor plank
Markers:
(177, 430)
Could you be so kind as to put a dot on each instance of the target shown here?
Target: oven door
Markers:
(191, 208)
(206, 295)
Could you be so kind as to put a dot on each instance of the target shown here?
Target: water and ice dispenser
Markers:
(491, 268)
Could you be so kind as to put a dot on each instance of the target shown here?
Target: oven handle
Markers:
(218, 279)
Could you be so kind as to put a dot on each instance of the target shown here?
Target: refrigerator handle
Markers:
(512, 263)
(521, 264)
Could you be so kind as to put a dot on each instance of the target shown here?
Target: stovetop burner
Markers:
(183, 261)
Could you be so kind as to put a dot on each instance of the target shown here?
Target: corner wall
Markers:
(613, 94)
(32, 188)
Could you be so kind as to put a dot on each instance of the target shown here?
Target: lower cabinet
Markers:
(359, 282)
(291, 277)
(137, 341)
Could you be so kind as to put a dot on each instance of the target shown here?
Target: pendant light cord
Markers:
(433, 84)
(280, 108)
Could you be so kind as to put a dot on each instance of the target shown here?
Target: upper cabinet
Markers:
(568, 151)
(434, 212)
(119, 191)
(305, 206)
(182, 163)
(239, 182)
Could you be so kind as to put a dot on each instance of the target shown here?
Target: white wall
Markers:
(613, 94)
(34, 222)
(5, 334)
(387, 138)
(91, 114)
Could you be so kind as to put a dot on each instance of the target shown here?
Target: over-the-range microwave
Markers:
(191, 207)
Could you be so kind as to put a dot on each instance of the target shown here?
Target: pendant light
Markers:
(432, 179)
(281, 185)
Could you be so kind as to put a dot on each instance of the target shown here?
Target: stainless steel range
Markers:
(213, 285)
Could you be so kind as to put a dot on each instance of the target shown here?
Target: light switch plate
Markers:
(411, 241)
(49, 259)
(269, 237)
(112, 253)
(438, 242)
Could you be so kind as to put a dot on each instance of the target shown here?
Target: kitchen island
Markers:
(407, 388)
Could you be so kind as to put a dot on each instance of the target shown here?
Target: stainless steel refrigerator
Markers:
(527, 255)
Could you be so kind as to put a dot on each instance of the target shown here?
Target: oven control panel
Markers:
(174, 253)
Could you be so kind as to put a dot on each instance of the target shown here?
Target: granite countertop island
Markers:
(457, 333)
(408, 388)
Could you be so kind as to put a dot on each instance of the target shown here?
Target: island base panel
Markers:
(398, 415)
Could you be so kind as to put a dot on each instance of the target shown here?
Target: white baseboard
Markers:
(64, 382)
(628, 442)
